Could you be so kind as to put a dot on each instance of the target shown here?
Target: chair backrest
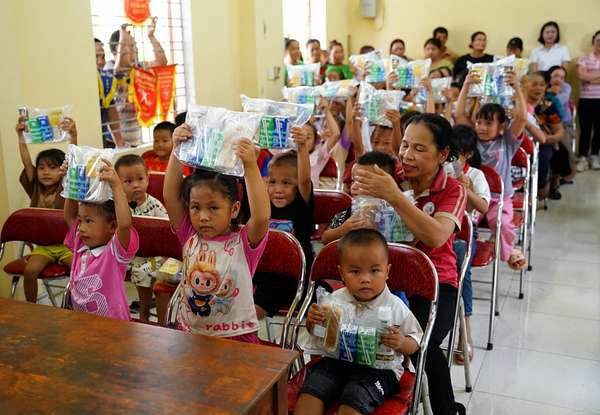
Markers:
(521, 162)
(328, 203)
(149, 153)
(35, 225)
(466, 229)
(283, 255)
(527, 145)
(411, 271)
(493, 178)
(330, 169)
(156, 238)
(156, 182)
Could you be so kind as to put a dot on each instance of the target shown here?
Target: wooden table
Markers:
(66, 362)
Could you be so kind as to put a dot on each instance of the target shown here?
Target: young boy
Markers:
(291, 193)
(158, 159)
(133, 174)
(364, 268)
(344, 222)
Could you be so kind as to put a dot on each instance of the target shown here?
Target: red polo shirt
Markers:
(446, 198)
(154, 164)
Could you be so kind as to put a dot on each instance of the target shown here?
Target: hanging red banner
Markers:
(143, 91)
(165, 83)
(137, 10)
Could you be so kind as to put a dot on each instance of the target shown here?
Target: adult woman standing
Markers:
(293, 56)
(336, 61)
(437, 214)
(432, 49)
(477, 55)
(588, 71)
(398, 48)
(551, 52)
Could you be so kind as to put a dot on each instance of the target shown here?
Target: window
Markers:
(303, 20)
(108, 15)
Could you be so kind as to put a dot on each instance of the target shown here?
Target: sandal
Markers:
(459, 358)
(517, 260)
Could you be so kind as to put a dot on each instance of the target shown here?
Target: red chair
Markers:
(488, 252)
(412, 272)
(40, 227)
(532, 150)
(156, 183)
(328, 203)
(283, 255)
(331, 170)
(521, 205)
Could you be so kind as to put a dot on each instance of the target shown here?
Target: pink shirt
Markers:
(592, 63)
(217, 293)
(98, 275)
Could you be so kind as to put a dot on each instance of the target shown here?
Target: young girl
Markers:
(43, 184)
(219, 257)
(478, 199)
(497, 145)
(320, 145)
(103, 242)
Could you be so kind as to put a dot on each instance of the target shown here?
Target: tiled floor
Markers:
(546, 356)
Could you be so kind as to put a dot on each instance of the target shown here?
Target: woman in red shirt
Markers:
(433, 219)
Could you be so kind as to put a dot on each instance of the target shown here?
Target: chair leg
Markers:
(13, 287)
(50, 293)
(464, 343)
(425, 398)
(493, 301)
(268, 326)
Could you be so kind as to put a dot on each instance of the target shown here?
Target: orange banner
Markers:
(165, 83)
(137, 10)
(143, 90)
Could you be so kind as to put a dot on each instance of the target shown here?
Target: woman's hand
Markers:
(375, 183)
(181, 133)
(244, 149)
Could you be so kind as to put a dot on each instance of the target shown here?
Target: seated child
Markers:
(134, 177)
(497, 144)
(478, 199)
(219, 256)
(292, 203)
(103, 242)
(43, 184)
(343, 222)
(364, 268)
(162, 146)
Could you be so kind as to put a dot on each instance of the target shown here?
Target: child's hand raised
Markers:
(108, 174)
(245, 150)
(510, 78)
(426, 83)
(21, 126)
(300, 136)
(391, 80)
(64, 167)
(472, 78)
(181, 133)
(68, 125)
(393, 116)
(315, 315)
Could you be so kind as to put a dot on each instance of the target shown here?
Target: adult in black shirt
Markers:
(477, 55)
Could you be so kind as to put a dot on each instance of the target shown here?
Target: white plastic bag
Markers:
(338, 90)
(375, 102)
(43, 124)
(215, 131)
(303, 75)
(82, 180)
(382, 215)
(301, 95)
(410, 74)
(277, 120)
(438, 86)
(370, 67)
(487, 84)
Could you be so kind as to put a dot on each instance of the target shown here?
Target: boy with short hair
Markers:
(134, 176)
(162, 146)
(364, 268)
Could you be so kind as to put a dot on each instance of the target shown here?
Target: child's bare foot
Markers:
(517, 260)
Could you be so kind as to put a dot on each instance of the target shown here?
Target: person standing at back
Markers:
(477, 55)
(441, 33)
(551, 52)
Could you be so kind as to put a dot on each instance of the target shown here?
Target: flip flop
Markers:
(517, 261)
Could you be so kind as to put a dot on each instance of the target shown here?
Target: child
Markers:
(344, 222)
(497, 145)
(103, 242)
(134, 177)
(292, 202)
(219, 257)
(43, 184)
(515, 47)
(320, 151)
(158, 159)
(478, 199)
(364, 268)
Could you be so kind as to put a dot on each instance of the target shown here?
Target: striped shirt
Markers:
(591, 63)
